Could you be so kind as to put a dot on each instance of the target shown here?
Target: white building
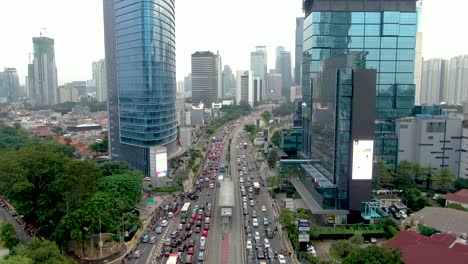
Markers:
(433, 82)
(244, 87)
(100, 80)
(258, 65)
(463, 173)
(432, 141)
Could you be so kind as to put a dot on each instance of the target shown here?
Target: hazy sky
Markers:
(232, 27)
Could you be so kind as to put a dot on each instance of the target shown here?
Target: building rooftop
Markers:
(440, 248)
(446, 220)
(460, 196)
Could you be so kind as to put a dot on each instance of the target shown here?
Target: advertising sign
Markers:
(161, 162)
(304, 230)
(363, 152)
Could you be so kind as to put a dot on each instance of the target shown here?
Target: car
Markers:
(183, 237)
(281, 259)
(248, 245)
(206, 226)
(205, 233)
(180, 227)
(202, 240)
(188, 259)
(193, 216)
(311, 250)
(264, 209)
(211, 185)
(244, 199)
(271, 253)
(252, 203)
(201, 256)
(183, 220)
(197, 229)
(373, 240)
(403, 214)
(250, 190)
(198, 223)
(152, 240)
(167, 251)
(199, 217)
(241, 180)
(137, 253)
(200, 212)
(191, 250)
(255, 222)
(145, 239)
(269, 233)
(254, 213)
(246, 222)
(191, 243)
(164, 223)
(159, 230)
(248, 230)
(181, 248)
(208, 214)
(175, 242)
(188, 227)
(170, 214)
(266, 242)
(260, 253)
(167, 242)
(174, 234)
(266, 222)
(147, 179)
(207, 220)
(257, 235)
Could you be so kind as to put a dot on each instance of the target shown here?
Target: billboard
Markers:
(304, 230)
(161, 162)
(363, 152)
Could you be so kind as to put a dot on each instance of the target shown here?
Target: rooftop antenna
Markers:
(42, 32)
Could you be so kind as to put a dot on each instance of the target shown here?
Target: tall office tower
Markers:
(344, 91)
(42, 73)
(274, 85)
(433, 81)
(188, 84)
(100, 80)
(9, 85)
(244, 89)
(180, 88)
(457, 81)
(205, 78)
(283, 62)
(279, 49)
(418, 60)
(219, 72)
(386, 30)
(141, 76)
(298, 51)
(257, 89)
(258, 65)
(229, 82)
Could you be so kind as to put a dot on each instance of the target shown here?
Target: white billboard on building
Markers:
(161, 162)
(363, 152)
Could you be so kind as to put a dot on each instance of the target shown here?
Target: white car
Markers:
(147, 179)
(164, 222)
(137, 253)
(202, 240)
(170, 214)
(281, 259)
(255, 222)
(257, 235)
(252, 203)
(249, 244)
(241, 180)
(403, 214)
(244, 199)
(264, 208)
(266, 242)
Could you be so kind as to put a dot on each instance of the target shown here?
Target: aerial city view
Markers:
(234, 132)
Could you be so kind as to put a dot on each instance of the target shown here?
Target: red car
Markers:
(199, 217)
(191, 251)
(197, 229)
(188, 227)
(193, 216)
(205, 233)
(191, 243)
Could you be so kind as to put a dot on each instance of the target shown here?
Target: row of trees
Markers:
(231, 112)
(66, 199)
(410, 175)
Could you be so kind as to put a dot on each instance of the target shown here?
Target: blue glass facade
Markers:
(146, 71)
(389, 39)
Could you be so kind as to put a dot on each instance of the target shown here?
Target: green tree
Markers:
(58, 130)
(405, 175)
(96, 147)
(276, 139)
(388, 225)
(357, 238)
(43, 252)
(13, 259)
(126, 186)
(266, 115)
(114, 167)
(284, 109)
(68, 140)
(460, 184)
(341, 249)
(414, 199)
(287, 217)
(272, 158)
(427, 231)
(445, 178)
(372, 255)
(8, 236)
(381, 176)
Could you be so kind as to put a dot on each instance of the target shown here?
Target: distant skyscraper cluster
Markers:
(445, 81)
(42, 73)
(9, 85)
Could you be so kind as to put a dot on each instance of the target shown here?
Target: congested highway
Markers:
(181, 229)
(262, 243)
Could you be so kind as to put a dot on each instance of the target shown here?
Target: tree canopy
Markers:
(373, 255)
(283, 109)
(276, 139)
(40, 252)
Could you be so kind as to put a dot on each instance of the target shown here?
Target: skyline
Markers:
(79, 35)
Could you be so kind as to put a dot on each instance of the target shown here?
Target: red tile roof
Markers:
(461, 196)
(419, 249)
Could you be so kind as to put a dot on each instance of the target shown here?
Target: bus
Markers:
(185, 210)
(173, 258)
(222, 168)
(256, 186)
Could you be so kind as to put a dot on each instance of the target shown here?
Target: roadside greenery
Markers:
(100, 147)
(231, 112)
(8, 236)
(252, 130)
(276, 139)
(266, 116)
(373, 254)
(175, 187)
(427, 230)
(37, 252)
(456, 206)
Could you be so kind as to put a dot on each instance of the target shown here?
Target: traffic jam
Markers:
(188, 242)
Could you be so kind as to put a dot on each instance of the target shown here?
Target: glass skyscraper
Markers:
(141, 76)
(386, 30)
